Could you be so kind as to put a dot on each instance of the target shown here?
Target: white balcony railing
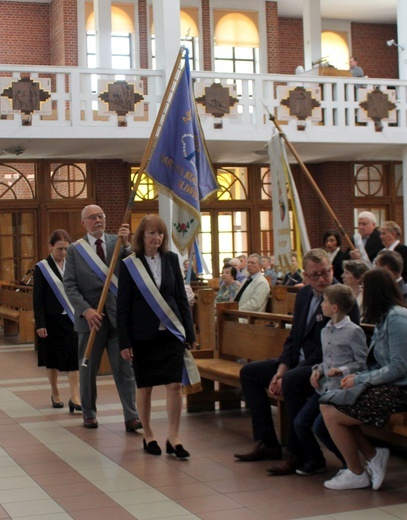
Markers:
(75, 114)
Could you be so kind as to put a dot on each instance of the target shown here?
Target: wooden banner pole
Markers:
(127, 215)
(312, 182)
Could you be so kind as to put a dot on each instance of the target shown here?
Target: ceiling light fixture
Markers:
(14, 150)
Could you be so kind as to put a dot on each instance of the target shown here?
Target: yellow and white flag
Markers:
(283, 188)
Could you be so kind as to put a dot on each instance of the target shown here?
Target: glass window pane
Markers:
(223, 66)
(91, 44)
(233, 183)
(222, 51)
(121, 62)
(120, 45)
(245, 53)
(91, 61)
(205, 242)
(244, 67)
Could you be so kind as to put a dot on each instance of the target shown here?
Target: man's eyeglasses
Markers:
(315, 276)
(99, 216)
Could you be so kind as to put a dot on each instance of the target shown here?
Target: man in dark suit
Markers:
(289, 375)
(390, 233)
(83, 284)
(393, 261)
(367, 239)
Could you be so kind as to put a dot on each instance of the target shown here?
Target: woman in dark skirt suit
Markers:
(57, 340)
(157, 354)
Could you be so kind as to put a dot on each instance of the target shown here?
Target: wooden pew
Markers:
(261, 337)
(283, 299)
(16, 310)
(204, 318)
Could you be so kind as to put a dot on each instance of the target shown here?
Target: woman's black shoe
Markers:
(152, 447)
(73, 406)
(179, 450)
(56, 405)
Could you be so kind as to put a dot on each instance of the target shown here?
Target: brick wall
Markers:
(339, 197)
(206, 36)
(273, 38)
(24, 33)
(144, 39)
(377, 59)
(64, 33)
(291, 44)
(112, 180)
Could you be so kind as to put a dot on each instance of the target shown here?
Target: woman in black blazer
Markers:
(57, 341)
(156, 352)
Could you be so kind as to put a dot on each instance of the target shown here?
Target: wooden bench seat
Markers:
(262, 337)
(9, 314)
(259, 337)
(16, 310)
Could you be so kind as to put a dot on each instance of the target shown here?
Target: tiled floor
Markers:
(51, 468)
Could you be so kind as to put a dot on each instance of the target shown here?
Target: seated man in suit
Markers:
(255, 292)
(390, 234)
(367, 239)
(86, 268)
(289, 375)
(268, 268)
(393, 261)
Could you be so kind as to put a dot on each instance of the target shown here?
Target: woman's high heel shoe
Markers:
(73, 406)
(179, 451)
(152, 447)
(56, 405)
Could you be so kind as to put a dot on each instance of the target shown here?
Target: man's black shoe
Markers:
(311, 468)
(260, 452)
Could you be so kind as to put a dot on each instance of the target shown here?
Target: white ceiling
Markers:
(374, 11)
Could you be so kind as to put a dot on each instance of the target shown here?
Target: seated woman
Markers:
(230, 286)
(386, 394)
(193, 277)
(353, 271)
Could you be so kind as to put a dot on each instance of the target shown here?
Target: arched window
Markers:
(236, 41)
(334, 46)
(189, 34)
(122, 31)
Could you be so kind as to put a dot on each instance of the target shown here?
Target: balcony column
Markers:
(311, 19)
(167, 29)
(103, 32)
(166, 14)
(402, 37)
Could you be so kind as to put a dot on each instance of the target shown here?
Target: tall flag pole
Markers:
(312, 182)
(179, 162)
(161, 114)
(281, 188)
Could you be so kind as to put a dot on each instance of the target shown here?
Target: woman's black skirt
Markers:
(59, 350)
(158, 361)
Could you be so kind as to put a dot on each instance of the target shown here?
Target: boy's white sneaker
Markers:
(346, 479)
(377, 467)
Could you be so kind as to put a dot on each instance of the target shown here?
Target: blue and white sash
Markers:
(57, 287)
(191, 380)
(95, 263)
(153, 297)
